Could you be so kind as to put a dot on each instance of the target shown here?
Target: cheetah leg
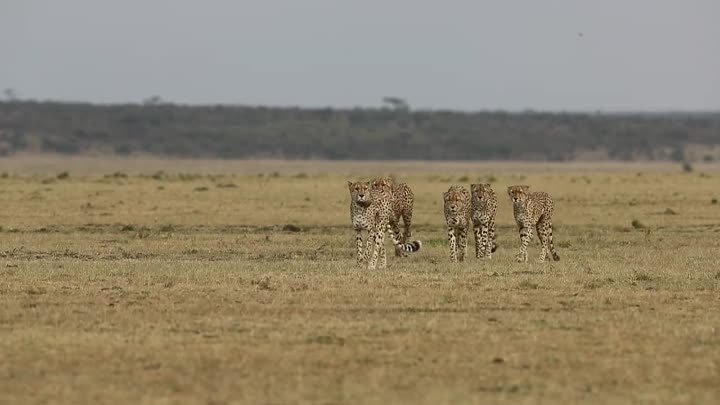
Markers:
(542, 238)
(551, 247)
(396, 229)
(525, 236)
(361, 256)
(478, 241)
(378, 239)
(369, 244)
(453, 245)
(485, 237)
(383, 256)
(462, 243)
(407, 224)
(493, 238)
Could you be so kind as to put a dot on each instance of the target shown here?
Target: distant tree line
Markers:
(221, 131)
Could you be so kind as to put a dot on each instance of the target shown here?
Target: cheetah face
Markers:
(518, 194)
(360, 192)
(479, 190)
(382, 184)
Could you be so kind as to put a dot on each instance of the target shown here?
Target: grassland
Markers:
(235, 282)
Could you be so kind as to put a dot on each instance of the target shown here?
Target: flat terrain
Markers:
(234, 282)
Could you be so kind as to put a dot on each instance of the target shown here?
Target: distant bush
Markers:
(262, 132)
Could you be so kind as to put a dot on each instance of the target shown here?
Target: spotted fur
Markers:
(402, 208)
(483, 208)
(370, 210)
(457, 216)
(533, 210)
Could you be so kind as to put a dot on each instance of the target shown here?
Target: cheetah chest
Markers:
(361, 218)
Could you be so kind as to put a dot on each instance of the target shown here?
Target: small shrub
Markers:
(202, 188)
(687, 167)
(527, 285)
(127, 228)
(301, 176)
(167, 228)
(637, 224)
(63, 175)
(158, 175)
(262, 284)
(463, 179)
(142, 233)
(117, 175)
(226, 185)
(714, 201)
(189, 176)
(291, 228)
(670, 211)
(641, 276)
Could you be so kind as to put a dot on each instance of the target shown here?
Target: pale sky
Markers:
(574, 55)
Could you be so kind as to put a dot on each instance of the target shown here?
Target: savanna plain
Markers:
(176, 282)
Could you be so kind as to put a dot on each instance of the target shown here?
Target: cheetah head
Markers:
(360, 192)
(518, 194)
(382, 184)
(479, 190)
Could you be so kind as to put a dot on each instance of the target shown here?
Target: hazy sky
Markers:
(504, 54)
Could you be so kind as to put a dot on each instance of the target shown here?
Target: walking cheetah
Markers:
(370, 210)
(457, 216)
(483, 209)
(533, 210)
(402, 207)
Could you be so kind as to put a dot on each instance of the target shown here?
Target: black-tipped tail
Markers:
(411, 247)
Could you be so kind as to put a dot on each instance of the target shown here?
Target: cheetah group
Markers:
(378, 205)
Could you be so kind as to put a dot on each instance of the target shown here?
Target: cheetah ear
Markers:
(350, 184)
(525, 188)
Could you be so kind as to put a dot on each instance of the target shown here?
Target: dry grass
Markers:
(238, 288)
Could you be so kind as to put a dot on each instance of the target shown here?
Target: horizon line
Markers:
(528, 110)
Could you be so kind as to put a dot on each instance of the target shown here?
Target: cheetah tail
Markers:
(409, 247)
(494, 245)
(413, 246)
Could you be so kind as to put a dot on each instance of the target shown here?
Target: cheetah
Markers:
(483, 208)
(370, 210)
(533, 210)
(457, 216)
(402, 207)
